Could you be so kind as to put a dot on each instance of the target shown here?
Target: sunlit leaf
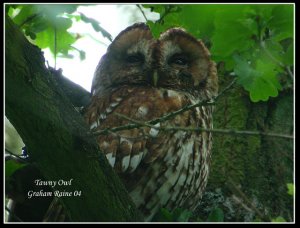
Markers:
(26, 12)
(53, 10)
(278, 219)
(290, 187)
(281, 23)
(233, 32)
(288, 57)
(261, 81)
(57, 30)
(11, 166)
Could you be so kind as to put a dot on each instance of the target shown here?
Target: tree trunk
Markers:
(57, 138)
(249, 174)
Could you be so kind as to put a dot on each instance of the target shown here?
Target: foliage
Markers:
(290, 187)
(183, 215)
(254, 41)
(46, 25)
(11, 166)
(178, 215)
(278, 219)
(217, 215)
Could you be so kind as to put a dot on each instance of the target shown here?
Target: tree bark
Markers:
(259, 167)
(57, 138)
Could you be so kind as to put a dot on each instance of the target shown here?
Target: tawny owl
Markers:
(144, 78)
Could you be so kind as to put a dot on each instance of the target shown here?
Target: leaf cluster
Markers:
(254, 42)
(47, 26)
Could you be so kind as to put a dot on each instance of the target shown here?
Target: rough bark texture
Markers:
(57, 138)
(258, 166)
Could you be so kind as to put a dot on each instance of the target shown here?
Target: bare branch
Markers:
(13, 214)
(151, 124)
(233, 187)
(199, 129)
(142, 11)
(165, 117)
(289, 72)
(11, 154)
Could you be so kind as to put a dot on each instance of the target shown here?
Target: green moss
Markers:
(259, 166)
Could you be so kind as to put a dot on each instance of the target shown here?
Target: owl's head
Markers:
(175, 61)
(128, 60)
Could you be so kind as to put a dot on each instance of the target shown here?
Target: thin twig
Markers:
(28, 19)
(151, 124)
(263, 46)
(15, 155)
(199, 129)
(276, 61)
(13, 214)
(166, 12)
(167, 116)
(142, 11)
(55, 46)
(190, 107)
(290, 73)
(261, 215)
(268, 53)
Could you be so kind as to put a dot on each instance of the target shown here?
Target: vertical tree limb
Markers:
(57, 138)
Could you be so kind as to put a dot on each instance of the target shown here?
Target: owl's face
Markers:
(175, 61)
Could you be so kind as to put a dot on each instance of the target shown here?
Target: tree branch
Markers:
(151, 124)
(57, 137)
(165, 117)
(140, 8)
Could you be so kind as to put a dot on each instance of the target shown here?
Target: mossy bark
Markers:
(258, 166)
(57, 138)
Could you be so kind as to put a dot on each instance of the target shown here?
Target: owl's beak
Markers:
(155, 78)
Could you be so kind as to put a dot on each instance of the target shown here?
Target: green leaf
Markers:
(51, 11)
(275, 49)
(216, 215)
(290, 187)
(82, 55)
(31, 34)
(26, 11)
(11, 166)
(186, 16)
(199, 20)
(163, 215)
(233, 31)
(281, 24)
(178, 215)
(260, 81)
(288, 56)
(257, 220)
(71, 16)
(170, 16)
(181, 215)
(39, 25)
(156, 29)
(64, 39)
(96, 26)
(278, 219)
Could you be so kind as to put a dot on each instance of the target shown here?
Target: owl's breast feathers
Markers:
(159, 168)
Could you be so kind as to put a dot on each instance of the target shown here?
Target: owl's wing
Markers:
(127, 149)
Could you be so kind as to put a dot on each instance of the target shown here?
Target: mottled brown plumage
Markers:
(144, 78)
